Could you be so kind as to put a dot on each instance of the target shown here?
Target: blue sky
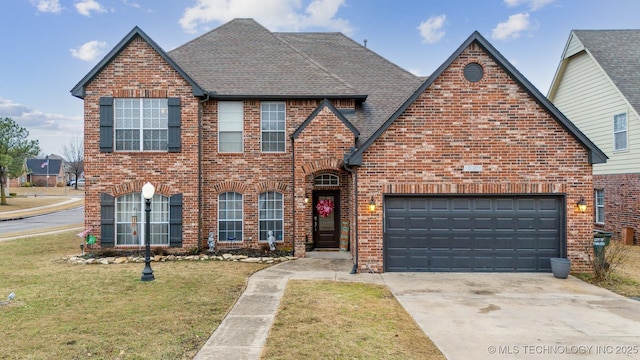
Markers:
(49, 45)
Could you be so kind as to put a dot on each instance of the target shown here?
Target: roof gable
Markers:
(79, 89)
(339, 115)
(617, 53)
(595, 154)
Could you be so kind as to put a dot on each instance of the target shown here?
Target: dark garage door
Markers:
(506, 234)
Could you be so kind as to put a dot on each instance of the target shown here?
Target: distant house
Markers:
(597, 86)
(319, 141)
(45, 172)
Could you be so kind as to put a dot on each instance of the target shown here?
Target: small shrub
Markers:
(194, 251)
(616, 254)
(12, 194)
(160, 251)
(27, 184)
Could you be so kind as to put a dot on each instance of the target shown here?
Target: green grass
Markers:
(336, 320)
(65, 311)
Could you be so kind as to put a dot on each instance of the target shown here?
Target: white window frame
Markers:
(599, 208)
(228, 213)
(132, 204)
(270, 212)
(230, 125)
(326, 180)
(273, 120)
(147, 116)
(618, 131)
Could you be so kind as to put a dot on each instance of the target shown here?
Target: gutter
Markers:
(293, 194)
(354, 270)
(200, 165)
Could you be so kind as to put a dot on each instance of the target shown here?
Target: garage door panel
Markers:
(472, 234)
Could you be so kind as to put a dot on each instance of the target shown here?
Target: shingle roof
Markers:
(243, 59)
(618, 53)
(35, 166)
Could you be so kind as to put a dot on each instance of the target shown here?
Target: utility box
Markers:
(627, 236)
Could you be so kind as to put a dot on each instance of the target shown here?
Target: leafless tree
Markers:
(74, 158)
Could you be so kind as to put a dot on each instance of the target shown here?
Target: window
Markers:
(130, 220)
(620, 132)
(230, 126)
(230, 216)
(273, 126)
(270, 214)
(141, 124)
(326, 180)
(600, 206)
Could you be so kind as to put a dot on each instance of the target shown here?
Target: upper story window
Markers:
(141, 124)
(230, 126)
(620, 131)
(130, 220)
(272, 124)
(600, 206)
(326, 180)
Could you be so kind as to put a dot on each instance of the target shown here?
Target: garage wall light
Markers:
(582, 205)
(372, 205)
(306, 198)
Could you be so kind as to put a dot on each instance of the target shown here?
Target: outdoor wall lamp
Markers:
(147, 193)
(582, 205)
(372, 205)
(306, 198)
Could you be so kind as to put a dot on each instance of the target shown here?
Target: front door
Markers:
(326, 220)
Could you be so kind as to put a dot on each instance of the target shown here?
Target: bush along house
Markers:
(312, 140)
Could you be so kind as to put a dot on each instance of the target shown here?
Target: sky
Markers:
(48, 46)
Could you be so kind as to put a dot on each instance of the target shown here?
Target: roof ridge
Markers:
(314, 62)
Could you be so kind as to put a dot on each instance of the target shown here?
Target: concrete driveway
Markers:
(519, 316)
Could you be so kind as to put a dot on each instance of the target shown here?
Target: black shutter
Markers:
(107, 220)
(174, 124)
(106, 124)
(175, 220)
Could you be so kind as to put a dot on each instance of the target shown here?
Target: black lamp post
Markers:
(147, 193)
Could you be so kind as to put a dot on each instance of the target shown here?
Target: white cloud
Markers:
(276, 15)
(85, 7)
(430, 30)
(533, 4)
(52, 131)
(47, 6)
(89, 51)
(512, 28)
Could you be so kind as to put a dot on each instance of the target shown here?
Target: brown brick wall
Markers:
(621, 204)
(492, 123)
(139, 71)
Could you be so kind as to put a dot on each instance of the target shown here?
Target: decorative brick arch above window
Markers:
(136, 187)
(322, 165)
(271, 185)
(230, 186)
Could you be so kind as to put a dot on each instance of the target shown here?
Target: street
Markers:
(43, 222)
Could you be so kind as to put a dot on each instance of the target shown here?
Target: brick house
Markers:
(317, 139)
(597, 85)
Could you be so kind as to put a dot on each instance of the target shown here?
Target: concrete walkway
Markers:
(468, 316)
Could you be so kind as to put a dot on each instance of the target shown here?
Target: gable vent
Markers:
(473, 72)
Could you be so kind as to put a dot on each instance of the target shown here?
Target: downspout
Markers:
(354, 173)
(293, 194)
(200, 165)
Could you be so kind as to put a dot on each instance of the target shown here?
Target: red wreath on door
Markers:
(325, 207)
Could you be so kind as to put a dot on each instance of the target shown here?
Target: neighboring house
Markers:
(48, 172)
(313, 137)
(597, 86)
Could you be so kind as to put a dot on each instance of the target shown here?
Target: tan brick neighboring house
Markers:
(249, 131)
(597, 86)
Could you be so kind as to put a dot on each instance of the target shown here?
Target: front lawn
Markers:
(64, 311)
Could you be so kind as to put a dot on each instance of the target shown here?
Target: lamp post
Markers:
(147, 194)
